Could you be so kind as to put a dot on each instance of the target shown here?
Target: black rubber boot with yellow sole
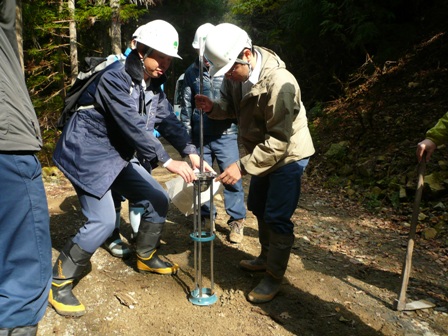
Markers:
(259, 263)
(148, 240)
(279, 250)
(71, 265)
(153, 264)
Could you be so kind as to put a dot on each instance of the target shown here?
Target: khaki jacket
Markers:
(439, 133)
(272, 122)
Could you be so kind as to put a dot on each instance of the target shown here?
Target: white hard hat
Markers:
(161, 36)
(201, 34)
(223, 45)
(137, 32)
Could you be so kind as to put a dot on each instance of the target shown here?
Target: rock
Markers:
(429, 233)
(439, 206)
(402, 193)
(337, 150)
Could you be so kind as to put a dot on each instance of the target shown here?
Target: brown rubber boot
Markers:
(279, 250)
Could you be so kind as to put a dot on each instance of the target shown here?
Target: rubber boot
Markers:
(279, 250)
(259, 263)
(113, 244)
(19, 331)
(72, 264)
(135, 217)
(148, 240)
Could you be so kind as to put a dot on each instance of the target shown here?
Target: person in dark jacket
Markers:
(94, 153)
(220, 137)
(159, 115)
(25, 243)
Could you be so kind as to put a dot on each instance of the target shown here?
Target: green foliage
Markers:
(373, 202)
(46, 45)
(323, 42)
(88, 13)
(316, 111)
(249, 7)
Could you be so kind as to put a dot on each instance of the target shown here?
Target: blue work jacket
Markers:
(110, 127)
(190, 115)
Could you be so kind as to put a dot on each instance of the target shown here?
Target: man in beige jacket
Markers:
(266, 100)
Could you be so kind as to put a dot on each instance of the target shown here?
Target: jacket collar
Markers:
(134, 67)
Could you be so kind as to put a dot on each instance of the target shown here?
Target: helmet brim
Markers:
(216, 71)
(176, 56)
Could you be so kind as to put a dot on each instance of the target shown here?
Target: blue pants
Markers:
(275, 196)
(136, 185)
(224, 149)
(25, 243)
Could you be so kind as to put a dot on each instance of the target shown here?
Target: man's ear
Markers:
(248, 54)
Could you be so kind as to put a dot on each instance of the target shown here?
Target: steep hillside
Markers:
(366, 141)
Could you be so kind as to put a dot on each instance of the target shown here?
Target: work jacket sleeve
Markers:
(223, 108)
(279, 115)
(439, 133)
(173, 130)
(114, 96)
(186, 104)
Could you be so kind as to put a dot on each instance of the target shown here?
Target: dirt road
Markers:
(343, 277)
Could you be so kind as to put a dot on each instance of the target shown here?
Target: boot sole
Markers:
(248, 265)
(261, 298)
(253, 268)
(64, 310)
(163, 271)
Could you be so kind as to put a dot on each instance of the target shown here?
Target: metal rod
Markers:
(201, 117)
(202, 296)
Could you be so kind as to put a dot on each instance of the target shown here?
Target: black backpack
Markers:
(95, 66)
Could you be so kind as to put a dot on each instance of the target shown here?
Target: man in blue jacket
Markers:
(94, 153)
(220, 137)
(25, 244)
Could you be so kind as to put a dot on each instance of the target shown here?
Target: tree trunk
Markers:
(73, 42)
(115, 33)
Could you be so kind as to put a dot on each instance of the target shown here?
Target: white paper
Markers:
(181, 194)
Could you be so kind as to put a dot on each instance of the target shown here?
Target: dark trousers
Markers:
(25, 243)
(224, 150)
(135, 184)
(275, 196)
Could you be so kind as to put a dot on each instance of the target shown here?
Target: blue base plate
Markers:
(206, 299)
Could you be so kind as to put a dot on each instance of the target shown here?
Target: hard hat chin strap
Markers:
(147, 53)
(145, 56)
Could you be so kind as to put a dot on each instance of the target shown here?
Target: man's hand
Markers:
(182, 169)
(425, 146)
(203, 102)
(230, 175)
(196, 163)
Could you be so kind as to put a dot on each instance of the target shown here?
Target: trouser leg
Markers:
(25, 243)
(259, 263)
(139, 187)
(114, 244)
(267, 197)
